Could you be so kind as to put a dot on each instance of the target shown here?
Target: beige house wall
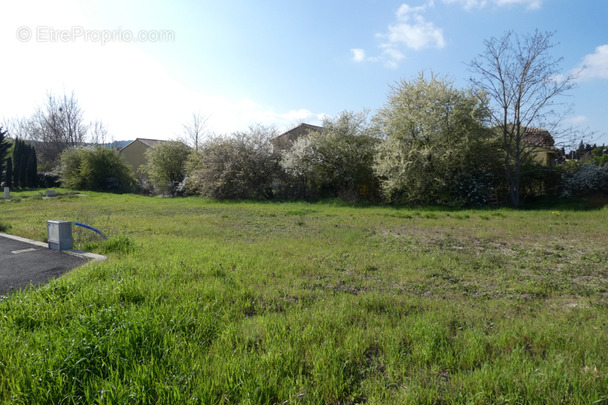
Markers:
(545, 156)
(134, 154)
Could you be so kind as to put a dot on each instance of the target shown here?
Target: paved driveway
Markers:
(24, 262)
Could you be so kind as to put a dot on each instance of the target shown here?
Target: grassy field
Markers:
(206, 302)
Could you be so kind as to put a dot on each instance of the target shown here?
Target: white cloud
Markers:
(417, 36)
(299, 115)
(409, 31)
(530, 4)
(405, 11)
(471, 4)
(412, 30)
(468, 4)
(594, 65)
(358, 55)
(237, 116)
(391, 56)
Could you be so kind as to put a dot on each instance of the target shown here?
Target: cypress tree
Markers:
(34, 168)
(31, 175)
(23, 155)
(4, 145)
(16, 162)
(25, 165)
(9, 172)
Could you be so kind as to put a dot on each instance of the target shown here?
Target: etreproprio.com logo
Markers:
(45, 33)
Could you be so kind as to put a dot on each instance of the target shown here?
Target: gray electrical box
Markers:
(60, 234)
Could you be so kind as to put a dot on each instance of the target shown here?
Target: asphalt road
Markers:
(22, 264)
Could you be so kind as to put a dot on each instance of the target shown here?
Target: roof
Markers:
(533, 130)
(286, 140)
(301, 128)
(538, 136)
(146, 141)
(149, 142)
(534, 136)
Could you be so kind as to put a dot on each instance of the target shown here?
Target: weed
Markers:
(119, 244)
(4, 226)
(300, 212)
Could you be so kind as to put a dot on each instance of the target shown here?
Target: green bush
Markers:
(98, 169)
(167, 166)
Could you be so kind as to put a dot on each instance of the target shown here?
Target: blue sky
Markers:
(143, 67)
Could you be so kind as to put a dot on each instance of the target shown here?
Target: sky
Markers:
(144, 67)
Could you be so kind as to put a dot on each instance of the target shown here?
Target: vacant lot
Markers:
(204, 302)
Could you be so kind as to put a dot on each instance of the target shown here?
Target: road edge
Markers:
(86, 255)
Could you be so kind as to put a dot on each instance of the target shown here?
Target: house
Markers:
(134, 154)
(285, 141)
(545, 151)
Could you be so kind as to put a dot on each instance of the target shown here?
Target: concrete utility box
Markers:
(7, 194)
(50, 193)
(60, 234)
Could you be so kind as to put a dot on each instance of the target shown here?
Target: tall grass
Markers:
(204, 302)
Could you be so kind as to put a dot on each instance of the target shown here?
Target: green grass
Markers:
(205, 302)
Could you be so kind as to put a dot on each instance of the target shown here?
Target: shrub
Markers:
(241, 166)
(167, 166)
(473, 190)
(336, 162)
(48, 180)
(585, 180)
(97, 169)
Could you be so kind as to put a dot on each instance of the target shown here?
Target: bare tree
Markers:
(99, 133)
(18, 127)
(195, 129)
(57, 125)
(523, 81)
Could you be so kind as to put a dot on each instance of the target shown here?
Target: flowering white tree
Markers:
(337, 161)
(434, 138)
(235, 167)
